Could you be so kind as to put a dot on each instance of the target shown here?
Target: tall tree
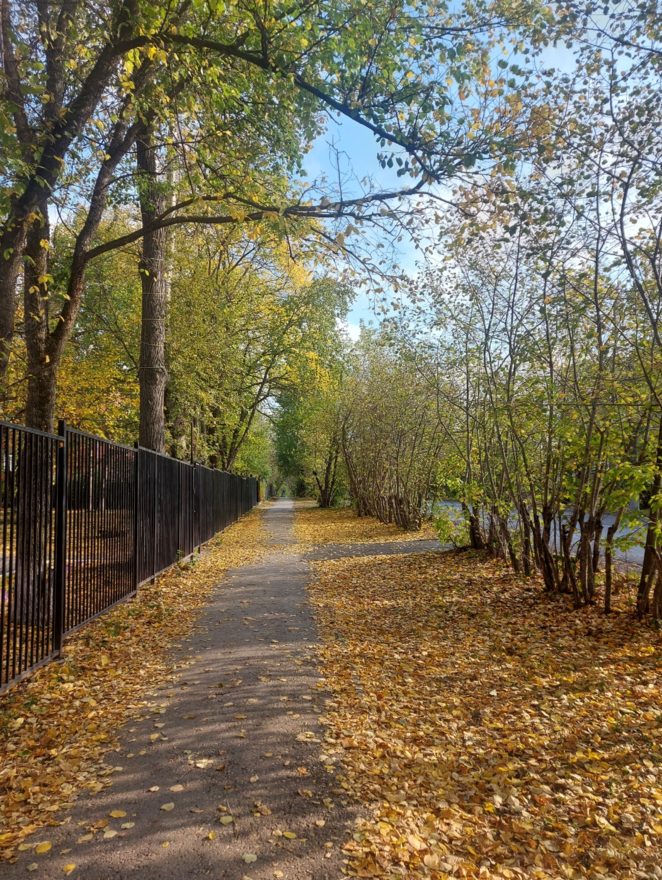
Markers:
(82, 84)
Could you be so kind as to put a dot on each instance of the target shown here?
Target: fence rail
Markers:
(85, 522)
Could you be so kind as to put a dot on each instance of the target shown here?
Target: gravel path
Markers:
(222, 776)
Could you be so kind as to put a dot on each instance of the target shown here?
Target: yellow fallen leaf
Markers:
(249, 858)
(68, 716)
(117, 814)
(167, 807)
(290, 835)
(69, 869)
(415, 842)
(43, 847)
(226, 820)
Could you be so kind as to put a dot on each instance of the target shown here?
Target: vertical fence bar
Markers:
(136, 515)
(60, 538)
(84, 522)
(154, 527)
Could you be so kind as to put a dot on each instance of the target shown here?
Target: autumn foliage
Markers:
(486, 732)
(58, 729)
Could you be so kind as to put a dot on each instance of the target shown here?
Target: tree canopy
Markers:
(169, 267)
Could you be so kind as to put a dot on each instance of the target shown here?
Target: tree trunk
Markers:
(609, 559)
(648, 567)
(327, 488)
(152, 372)
(40, 403)
(41, 396)
(475, 532)
(8, 298)
(656, 605)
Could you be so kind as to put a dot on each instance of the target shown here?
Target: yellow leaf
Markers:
(42, 847)
(117, 814)
(69, 869)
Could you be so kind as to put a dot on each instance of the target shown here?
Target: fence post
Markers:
(155, 529)
(60, 538)
(196, 506)
(136, 515)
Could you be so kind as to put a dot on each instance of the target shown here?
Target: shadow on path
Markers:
(388, 548)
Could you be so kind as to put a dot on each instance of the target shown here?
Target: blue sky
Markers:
(357, 152)
(357, 149)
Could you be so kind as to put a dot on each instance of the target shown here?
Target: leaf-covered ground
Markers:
(56, 726)
(314, 526)
(487, 730)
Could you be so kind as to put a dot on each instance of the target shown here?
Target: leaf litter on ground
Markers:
(488, 730)
(56, 726)
(340, 525)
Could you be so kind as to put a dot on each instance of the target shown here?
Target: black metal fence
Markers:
(85, 522)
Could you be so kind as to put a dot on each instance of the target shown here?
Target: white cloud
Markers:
(351, 329)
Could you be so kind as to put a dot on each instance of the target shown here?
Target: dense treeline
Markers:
(521, 377)
(168, 270)
(197, 114)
